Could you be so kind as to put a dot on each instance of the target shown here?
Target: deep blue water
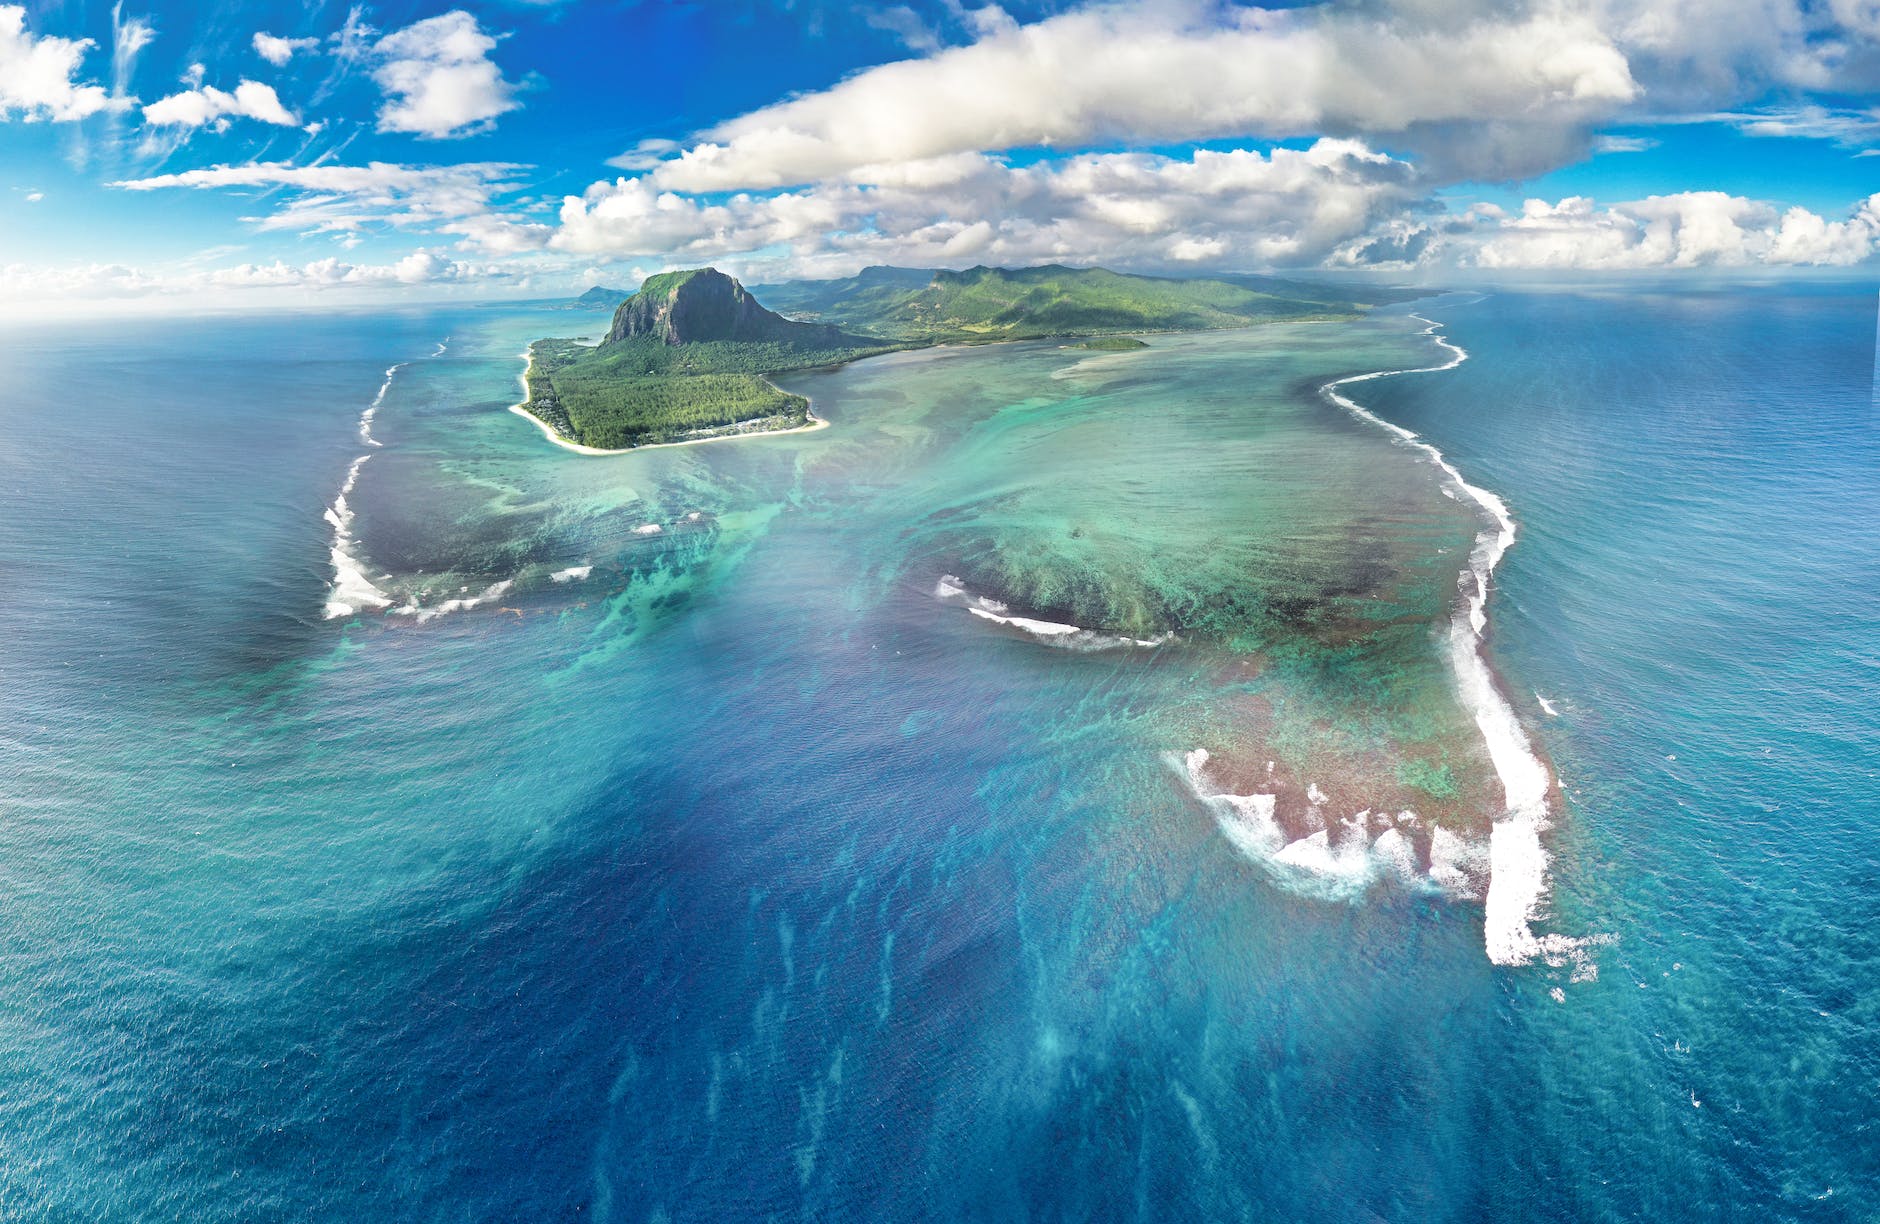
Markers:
(731, 879)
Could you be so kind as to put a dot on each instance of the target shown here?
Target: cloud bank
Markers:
(1116, 74)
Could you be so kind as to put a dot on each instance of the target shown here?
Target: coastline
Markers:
(549, 431)
(816, 422)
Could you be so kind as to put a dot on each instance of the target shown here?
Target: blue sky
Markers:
(261, 152)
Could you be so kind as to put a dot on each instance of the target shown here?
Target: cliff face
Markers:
(701, 307)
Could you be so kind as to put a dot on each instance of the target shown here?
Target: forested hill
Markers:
(1019, 303)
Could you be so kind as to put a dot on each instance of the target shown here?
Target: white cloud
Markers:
(129, 36)
(438, 79)
(345, 199)
(277, 50)
(194, 108)
(21, 284)
(1624, 144)
(418, 268)
(1239, 207)
(1685, 230)
(1840, 124)
(906, 25)
(37, 74)
(34, 290)
(33, 197)
(1176, 72)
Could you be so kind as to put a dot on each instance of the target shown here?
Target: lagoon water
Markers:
(642, 838)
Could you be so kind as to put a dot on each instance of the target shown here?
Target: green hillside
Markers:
(1011, 304)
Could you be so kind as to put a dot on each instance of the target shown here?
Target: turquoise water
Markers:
(724, 870)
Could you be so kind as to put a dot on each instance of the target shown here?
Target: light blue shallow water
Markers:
(737, 878)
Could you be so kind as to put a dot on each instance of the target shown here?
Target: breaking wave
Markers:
(1052, 633)
(1346, 856)
(1518, 862)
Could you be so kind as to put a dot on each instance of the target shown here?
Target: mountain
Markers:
(684, 359)
(599, 298)
(704, 306)
(869, 294)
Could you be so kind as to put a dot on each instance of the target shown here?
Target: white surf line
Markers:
(351, 589)
(1517, 862)
(372, 409)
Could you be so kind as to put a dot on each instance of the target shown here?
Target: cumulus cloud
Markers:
(22, 283)
(418, 268)
(439, 80)
(278, 51)
(38, 74)
(1127, 209)
(1691, 229)
(41, 286)
(1186, 72)
(207, 105)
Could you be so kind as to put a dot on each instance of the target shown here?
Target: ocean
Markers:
(407, 819)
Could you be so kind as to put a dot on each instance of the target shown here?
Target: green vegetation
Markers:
(685, 359)
(687, 355)
(1030, 303)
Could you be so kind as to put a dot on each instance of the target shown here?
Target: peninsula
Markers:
(688, 356)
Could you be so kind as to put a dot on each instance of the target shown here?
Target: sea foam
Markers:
(1342, 860)
(491, 593)
(1518, 861)
(1054, 633)
(372, 409)
(351, 589)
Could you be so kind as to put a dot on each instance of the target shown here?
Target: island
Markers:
(688, 357)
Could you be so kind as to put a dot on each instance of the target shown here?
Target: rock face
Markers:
(704, 306)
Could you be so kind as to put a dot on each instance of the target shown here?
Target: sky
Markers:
(159, 155)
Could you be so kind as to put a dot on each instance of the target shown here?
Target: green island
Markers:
(688, 356)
